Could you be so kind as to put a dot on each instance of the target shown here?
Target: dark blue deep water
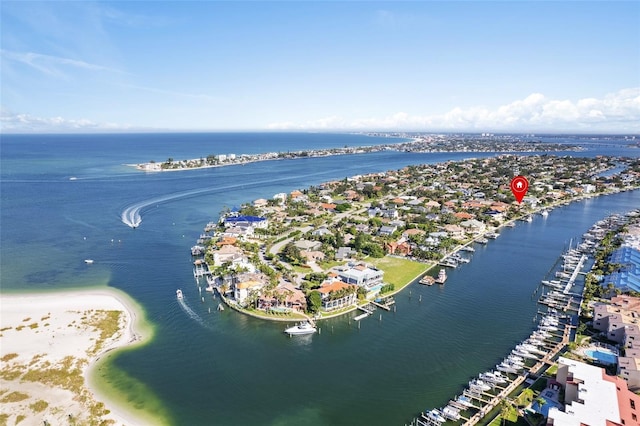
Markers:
(224, 368)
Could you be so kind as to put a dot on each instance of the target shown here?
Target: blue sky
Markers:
(344, 65)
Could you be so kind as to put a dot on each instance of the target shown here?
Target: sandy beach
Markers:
(48, 345)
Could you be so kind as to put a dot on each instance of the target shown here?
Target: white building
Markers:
(593, 398)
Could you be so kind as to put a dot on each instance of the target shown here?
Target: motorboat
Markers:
(531, 348)
(515, 359)
(302, 328)
(427, 280)
(88, 261)
(450, 412)
(479, 385)
(436, 416)
(493, 377)
(521, 352)
(466, 401)
(179, 294)
(509, 367)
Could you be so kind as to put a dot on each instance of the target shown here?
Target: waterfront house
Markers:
(237, 232)
(298, 197)
(495, 215)
(260, 202)
(591, 397)
(280, 197)
(285, 296)
(473, 226)
(361, 275)
(619, 321)
(243, 289)
(337, 295)
(455, 231)
(246, 222)
(227, 253)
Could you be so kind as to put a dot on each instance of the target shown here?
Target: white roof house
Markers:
(589, 398)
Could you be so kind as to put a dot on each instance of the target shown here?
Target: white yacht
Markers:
(493, 377)
(179, 294)
(466, 401)
(88, 261)
(302, 328)
(442, 276)
(451, 412)
(436, 416)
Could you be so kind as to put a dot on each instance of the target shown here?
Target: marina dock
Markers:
(530, 358)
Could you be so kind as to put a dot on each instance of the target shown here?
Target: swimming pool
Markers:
(602, 355)
(376, 288)
(544, 408)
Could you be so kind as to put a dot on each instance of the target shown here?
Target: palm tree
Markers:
(541, 401)
(224, 288)
(506, 407)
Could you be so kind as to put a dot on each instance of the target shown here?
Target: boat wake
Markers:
(191, 313)
(132, 214)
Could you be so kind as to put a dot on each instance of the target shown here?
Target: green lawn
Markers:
(398, 271)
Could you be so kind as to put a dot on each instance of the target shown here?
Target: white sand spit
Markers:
(48, 341)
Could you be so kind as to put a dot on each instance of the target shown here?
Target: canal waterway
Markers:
(224, 368)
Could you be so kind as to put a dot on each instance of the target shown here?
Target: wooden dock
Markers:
(385, 307)
(535, 369)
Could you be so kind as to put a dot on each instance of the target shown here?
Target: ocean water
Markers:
(224, 368)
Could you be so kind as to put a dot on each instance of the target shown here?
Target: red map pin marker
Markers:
(519, 187)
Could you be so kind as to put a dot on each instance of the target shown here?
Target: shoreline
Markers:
(407, 144)
(432, 265)
(71, 334)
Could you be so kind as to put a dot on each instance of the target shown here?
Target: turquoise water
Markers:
(224, 368)
(604, 356)
(544, 408)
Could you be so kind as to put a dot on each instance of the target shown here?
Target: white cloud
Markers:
(200, 96)
(18, 123)
(51, 65)
(619, 111)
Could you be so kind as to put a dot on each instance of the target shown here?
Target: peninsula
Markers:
(339, 246)
(418, 143)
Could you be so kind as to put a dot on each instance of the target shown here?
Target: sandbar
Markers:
(48, 344)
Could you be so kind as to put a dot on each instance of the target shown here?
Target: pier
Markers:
(575, 273)
(484, 402)
(386, 306)
(367, 309)
(535, 369)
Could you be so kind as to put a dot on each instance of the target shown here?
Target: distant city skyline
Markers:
(432, 66)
